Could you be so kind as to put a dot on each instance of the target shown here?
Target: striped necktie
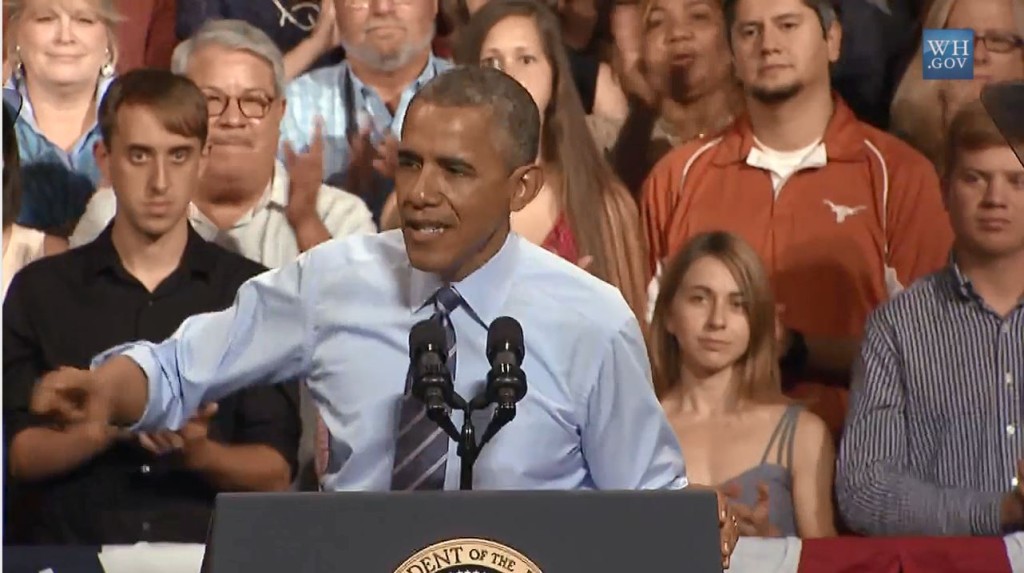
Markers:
(422, 447)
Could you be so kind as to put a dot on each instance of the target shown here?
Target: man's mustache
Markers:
(371, 26)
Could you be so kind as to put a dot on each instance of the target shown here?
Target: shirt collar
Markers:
(961, 283)
(276, 193)
(843, 139)
(28, 114)
(101, 256)
(428, 73)
(484, 290)
(813, 157)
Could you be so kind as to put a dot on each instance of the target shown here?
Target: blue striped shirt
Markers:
(934, 430)
(325, 93)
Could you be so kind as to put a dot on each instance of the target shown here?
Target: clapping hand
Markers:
(305, 172)
(194, 433)
(368, 160)
(71, 396)
(752, 521)
(728, 527)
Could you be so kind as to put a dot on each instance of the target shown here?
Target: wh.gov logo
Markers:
(948, 54)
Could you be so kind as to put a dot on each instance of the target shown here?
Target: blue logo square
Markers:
(948, 54)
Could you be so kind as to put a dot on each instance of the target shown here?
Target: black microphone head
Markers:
(427, 335)
(505, 333)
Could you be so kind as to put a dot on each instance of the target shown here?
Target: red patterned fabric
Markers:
(562, 242)
(904, 555)
(955, 554)
(443, 47)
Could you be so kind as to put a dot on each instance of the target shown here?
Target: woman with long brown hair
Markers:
(583, 213)
(713, 348)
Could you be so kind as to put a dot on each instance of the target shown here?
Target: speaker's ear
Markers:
(528, 181)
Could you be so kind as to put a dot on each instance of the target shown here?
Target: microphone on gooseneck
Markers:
(428, 357)
(506, 382)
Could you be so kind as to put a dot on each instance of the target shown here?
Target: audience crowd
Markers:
(824, 252)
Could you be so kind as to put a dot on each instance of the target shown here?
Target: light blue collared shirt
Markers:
(339, 317)
(323, 93)
(56, 184)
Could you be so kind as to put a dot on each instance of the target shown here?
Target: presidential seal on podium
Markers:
(468, 556)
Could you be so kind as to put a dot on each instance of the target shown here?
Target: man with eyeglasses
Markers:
(997, 58)
(248, 202)
(363, 100)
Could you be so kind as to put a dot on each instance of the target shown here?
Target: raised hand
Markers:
(305, 173)
(367, 161)
(327, 25)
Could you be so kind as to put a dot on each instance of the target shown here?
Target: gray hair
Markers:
(514, 114)
(233, 35)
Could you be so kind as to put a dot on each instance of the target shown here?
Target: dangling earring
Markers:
(107, 69)
(19, 68)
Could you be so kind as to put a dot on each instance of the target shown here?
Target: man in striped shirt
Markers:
(934, 438)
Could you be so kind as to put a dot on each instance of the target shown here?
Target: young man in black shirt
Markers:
(144, 275)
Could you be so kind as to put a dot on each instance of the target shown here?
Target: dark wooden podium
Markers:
(465, 532)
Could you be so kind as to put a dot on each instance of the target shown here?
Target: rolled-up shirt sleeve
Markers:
(627, 441)
(876, 492)
(265, 337)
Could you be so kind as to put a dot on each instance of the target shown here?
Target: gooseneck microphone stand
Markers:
(432, 384)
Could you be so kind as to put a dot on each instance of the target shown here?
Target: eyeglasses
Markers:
(251, 106)
(1000, 42)
(364, 4)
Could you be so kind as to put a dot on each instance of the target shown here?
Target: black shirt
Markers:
(62, 311)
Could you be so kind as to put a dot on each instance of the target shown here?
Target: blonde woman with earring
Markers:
(62, 57)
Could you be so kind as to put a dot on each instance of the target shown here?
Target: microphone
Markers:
(506, 382)
(428, 356)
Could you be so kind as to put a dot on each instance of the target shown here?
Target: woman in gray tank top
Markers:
(715, 356)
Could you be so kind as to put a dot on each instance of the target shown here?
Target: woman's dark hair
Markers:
(602, 214)
(12, 170)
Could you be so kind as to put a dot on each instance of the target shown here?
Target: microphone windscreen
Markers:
(505, 333)
(425, 334)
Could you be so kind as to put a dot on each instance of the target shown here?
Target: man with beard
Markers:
(363, 100)
(842, 214)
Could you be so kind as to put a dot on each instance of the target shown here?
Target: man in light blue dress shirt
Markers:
(339, 317)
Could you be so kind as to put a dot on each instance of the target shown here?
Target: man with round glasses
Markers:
(247, 201)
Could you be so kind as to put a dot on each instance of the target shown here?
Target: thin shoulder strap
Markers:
(788, 437)
(775, 436)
